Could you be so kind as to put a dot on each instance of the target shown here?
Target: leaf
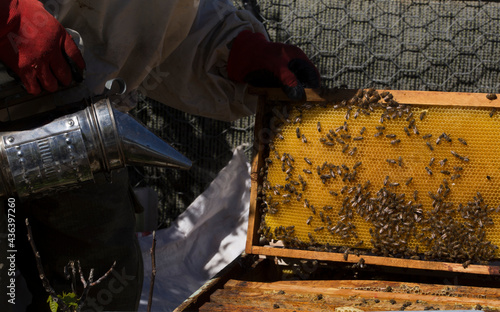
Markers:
(52, 304)
(69, 299)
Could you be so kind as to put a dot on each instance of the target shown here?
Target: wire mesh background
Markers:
(412, 45)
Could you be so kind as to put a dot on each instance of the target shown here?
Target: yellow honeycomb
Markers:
(477, 153)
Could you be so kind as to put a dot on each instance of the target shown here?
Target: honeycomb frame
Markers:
(272, 101)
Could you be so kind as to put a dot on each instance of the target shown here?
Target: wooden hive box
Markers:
(260, 284)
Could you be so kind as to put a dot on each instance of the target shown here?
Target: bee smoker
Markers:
(66, 151)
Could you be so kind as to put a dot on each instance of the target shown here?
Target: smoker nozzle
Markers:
(69, 150)
(142, 147)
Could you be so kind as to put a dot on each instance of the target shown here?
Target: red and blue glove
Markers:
(36, 46)
(261, 63)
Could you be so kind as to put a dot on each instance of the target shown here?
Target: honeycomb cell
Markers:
(364, 183)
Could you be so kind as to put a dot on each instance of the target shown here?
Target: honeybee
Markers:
(345, 136)
(356, 114)
(468, 262)
(346, 254)
(410, 115)
(411, 123)
(491, 96)
(429, 145)
(438, 140)
(325, 176)
(429, 171)
(492, 112)
(307, 160)
(388, 97)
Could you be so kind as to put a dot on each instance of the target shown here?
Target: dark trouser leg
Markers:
(95, 225)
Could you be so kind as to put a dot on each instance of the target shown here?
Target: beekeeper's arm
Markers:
(225, 49)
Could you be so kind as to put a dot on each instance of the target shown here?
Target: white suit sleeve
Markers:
(193, 78)
(125, 38)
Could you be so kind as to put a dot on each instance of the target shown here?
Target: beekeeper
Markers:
(196, 56)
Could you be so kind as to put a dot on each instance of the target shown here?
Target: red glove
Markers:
(36, 46)
(261, 63)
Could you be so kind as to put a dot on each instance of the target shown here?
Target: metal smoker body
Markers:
(67, 151)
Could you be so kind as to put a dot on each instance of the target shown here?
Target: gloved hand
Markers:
(36, 46)
(261, 63)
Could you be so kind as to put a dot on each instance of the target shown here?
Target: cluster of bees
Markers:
(399, 223)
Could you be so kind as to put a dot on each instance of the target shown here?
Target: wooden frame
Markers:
(402, 96)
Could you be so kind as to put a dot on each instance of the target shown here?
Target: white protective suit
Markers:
(173, 51)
